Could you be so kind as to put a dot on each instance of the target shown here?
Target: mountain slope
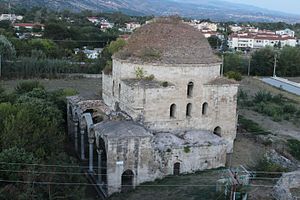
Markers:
(213, 9)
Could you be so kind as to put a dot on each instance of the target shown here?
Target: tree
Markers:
(289, 62)
(263, 62)
(234, 62)
(214, 42)
(7, 50)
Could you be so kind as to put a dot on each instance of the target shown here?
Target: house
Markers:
(132, 26)
(104, 25)
(90, 53)
(94, 20)
(243, 41)
(10, 17)
(29, 26)
(287, 31)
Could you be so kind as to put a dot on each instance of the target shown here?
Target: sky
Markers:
(288, 6)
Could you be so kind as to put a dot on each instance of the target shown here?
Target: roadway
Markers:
(283, 84)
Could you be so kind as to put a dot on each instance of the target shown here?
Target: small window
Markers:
(190, 89)
(189, 110)
(173, 111)
(204, 108)
(217, 131)
(119, 90)
(113, 88)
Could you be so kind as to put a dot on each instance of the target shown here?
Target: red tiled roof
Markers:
(27, 24)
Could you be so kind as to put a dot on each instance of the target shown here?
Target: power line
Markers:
(90, 184)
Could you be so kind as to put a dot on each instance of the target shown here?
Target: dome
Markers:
(167, 41)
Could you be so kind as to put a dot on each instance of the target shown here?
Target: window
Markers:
(204, 108)
(217, 131)
(113, 88)
(189, 110)
(119, 90)
(173, 111)
(190, 89)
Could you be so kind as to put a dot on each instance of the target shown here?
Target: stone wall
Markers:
(135, 154)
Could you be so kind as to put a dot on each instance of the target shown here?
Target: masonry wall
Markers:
(135, 154)
(196, 159)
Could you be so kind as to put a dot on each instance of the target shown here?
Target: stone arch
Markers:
(176, 168)
(101, 160)
(86, 123)
(127, 180)
(190, 88)
(218, 131)
(189, 110)
(173, 110)
(204, 108)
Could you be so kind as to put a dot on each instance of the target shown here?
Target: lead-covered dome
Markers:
(168, 41)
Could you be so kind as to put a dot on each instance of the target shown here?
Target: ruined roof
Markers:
(194, 138)
(222, 81)
(145, 83)
(121, 129)
(167, 41)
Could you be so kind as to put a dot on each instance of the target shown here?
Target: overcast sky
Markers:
(289, 6)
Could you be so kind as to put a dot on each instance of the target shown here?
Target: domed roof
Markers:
(168, 41)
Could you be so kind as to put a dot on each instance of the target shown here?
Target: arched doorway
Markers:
(217, 131)
(127, 181)
(176, 169)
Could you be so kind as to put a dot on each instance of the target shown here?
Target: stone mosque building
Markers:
(165, 110)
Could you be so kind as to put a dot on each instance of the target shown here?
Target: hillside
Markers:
(215, 10)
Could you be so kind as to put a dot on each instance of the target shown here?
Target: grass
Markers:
(200, 186)
(275, 106)
(251, 126)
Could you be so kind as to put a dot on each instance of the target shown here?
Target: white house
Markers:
(10, 17)
(259, 40)
(287, 31)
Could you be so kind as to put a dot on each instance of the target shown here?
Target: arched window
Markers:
(189, 110)
(113, 88)
(204, 108)
(176, 169)
(173, 111)
(190, 89)
(119, 90)
(217, 131)
(127, 181)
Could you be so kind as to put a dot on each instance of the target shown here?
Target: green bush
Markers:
(251, 126)
(289, 108)
(234, 75)
(265, 165)
(27, 86)
(262, 96)
(294, 148)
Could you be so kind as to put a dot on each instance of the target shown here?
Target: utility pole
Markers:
(275, 65)
(249, 64)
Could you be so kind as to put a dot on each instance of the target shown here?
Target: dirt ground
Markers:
(86, 87)
(283, 128)
(295, 79)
